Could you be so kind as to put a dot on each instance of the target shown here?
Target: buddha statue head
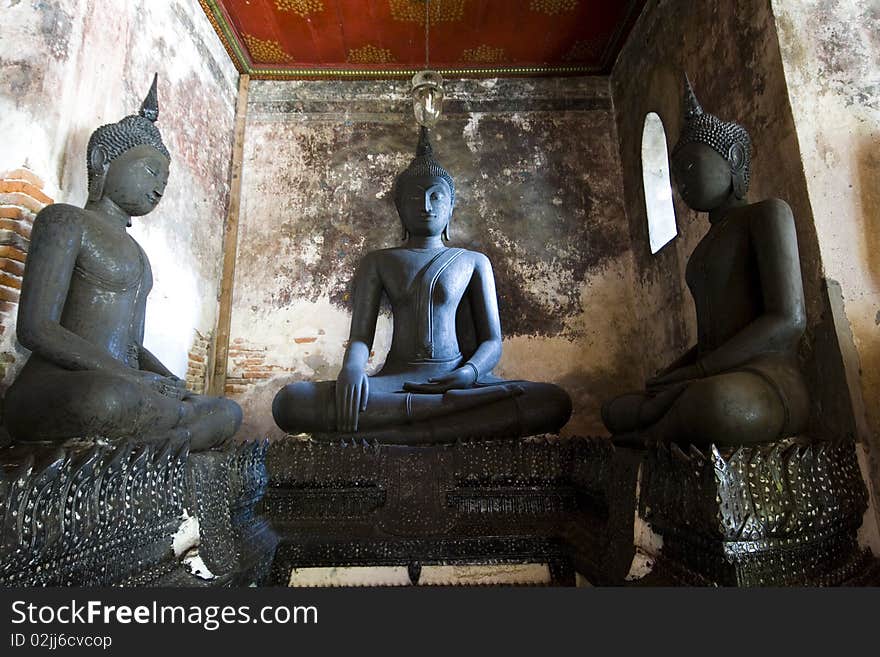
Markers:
(127, 161)
(712, 157)
(424, 193)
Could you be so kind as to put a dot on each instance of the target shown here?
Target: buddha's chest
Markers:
(723, 264)
(111, 260)
(426, 281)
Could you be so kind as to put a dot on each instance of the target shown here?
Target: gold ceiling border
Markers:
(230, 41)
(400, 73)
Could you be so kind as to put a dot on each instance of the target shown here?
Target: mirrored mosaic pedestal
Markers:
(95, 514)
(783, 514)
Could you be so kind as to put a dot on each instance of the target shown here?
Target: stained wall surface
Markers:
(67, 67)
(538, 190)
(831, 55)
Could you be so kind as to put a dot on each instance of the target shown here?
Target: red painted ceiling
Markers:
(375, 38)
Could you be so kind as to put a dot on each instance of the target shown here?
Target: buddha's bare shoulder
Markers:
(479, 259)
(61, 212)
(772, 209)
(62, 217)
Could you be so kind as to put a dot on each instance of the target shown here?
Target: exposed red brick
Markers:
(12, 266)
(7, 294)
(248, 362)
(23, 187)
(9, 280)
(304, 340)
(257, 375)
(12, 253)
(26, 175)
(12, 212)
(7, 307)
(24, 200)
(19, 227)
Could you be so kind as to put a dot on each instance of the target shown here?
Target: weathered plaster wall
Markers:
(68, 66)
(732, 53)
(831, 56)
(538, 190)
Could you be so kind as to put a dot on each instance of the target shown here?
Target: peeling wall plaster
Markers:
(830, 51)
(538, 190)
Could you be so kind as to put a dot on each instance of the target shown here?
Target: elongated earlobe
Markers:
(736, 156)
(99, 162)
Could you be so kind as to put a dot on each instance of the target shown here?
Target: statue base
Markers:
(567, 503)
(92, 513)
(784, 514)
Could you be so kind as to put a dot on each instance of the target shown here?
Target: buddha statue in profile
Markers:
(82, 310)
(436, 384)
(741, 383)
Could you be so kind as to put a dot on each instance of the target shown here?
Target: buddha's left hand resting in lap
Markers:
(437, 383)
(82, 310)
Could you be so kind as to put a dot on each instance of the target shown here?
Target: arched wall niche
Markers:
(662, 228)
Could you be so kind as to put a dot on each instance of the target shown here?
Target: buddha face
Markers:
(703, 177)
(425, 205)
(136, 180)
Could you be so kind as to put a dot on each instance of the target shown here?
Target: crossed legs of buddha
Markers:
(73, 404)
(734, 408)
(504, 410)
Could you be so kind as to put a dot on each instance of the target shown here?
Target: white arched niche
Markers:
(658, 189)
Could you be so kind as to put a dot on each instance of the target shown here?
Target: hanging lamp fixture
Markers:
(427, 85)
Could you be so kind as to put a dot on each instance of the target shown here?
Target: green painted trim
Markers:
(231, 36)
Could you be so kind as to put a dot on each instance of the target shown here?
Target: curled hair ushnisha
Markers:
(698, 126)
(424, 164)
(134, 130)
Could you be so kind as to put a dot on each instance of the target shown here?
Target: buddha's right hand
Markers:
(167, 386)
(352, 392)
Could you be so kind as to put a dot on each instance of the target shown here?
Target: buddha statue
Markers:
(436, 384)
(741, 383)
(82, 306)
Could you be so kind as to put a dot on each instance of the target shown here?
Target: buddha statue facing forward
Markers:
(741, 383)
(82, 310)
(437, 383)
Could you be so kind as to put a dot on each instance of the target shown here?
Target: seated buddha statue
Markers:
(82, 308)
(436, 384)
(741, 383)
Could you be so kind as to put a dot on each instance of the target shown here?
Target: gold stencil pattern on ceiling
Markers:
(585, 51)
(266, 51)
(370, 54)
(553, 7)
(483, 54)
(300, 7)
(414, 10)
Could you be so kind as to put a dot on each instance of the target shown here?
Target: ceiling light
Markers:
(427, 86)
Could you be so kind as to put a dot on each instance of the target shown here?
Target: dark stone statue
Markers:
(82, 309)
(741, 383)
(437, 383)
